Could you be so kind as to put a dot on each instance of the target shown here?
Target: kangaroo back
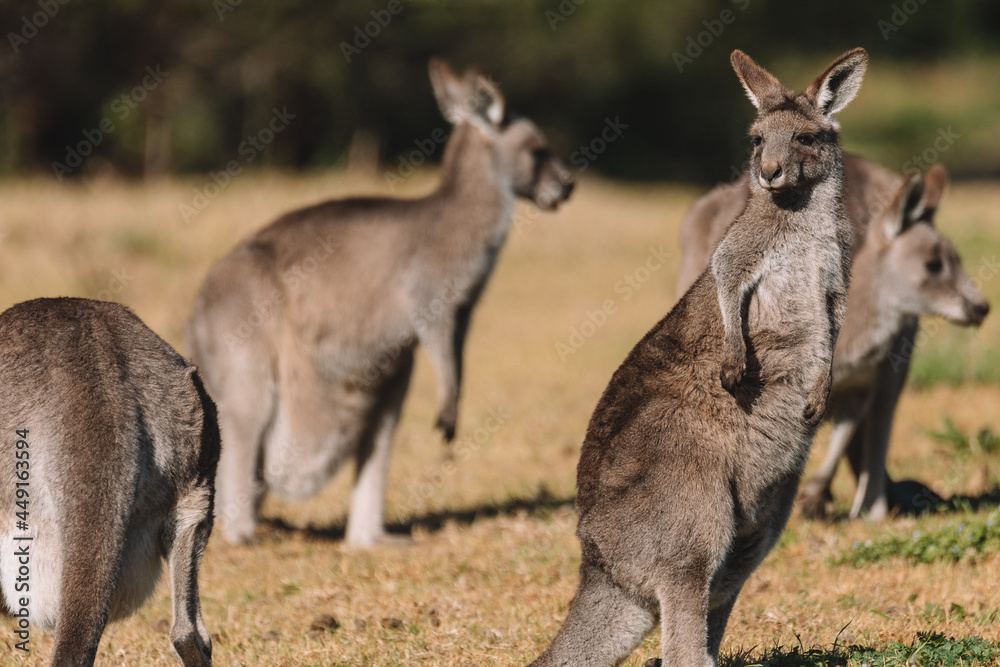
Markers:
(117, 446)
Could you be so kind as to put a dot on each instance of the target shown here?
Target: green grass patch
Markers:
(954, 361)
(929, 649)
(967, 540)
(983, 442)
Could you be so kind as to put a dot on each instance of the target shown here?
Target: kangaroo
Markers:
(109, 448)
(692, 458)
(350, 287)
(904, 268)
(895, 247)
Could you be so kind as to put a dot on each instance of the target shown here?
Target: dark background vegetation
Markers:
(230, 64)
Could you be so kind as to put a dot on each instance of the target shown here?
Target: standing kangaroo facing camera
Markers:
(693, 456)
(108, 449)
(349, 288)
(903, 268)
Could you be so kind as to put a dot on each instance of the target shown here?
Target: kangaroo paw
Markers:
(733, 370)
(814, 499)
(447, 427)
(817, 400)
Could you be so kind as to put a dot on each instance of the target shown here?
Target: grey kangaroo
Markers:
(306, 332)
(108, 451)
(693, 455)
(903, 268)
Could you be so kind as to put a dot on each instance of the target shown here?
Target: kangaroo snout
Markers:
(771, 176)
(976, 311)
(555, 189)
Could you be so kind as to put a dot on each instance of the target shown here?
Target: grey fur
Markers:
(122, 448)
(693, 455)
(894, 242)
(352, 286)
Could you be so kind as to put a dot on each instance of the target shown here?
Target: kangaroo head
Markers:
(795, 138)
(921, 267)
(519, 151)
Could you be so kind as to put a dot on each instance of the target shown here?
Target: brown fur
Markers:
(893, 242)
(694, 452)
(123, 445)
(350, 287)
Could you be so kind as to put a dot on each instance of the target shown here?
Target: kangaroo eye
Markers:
(757, 140)
(934, 267)
(806, 139)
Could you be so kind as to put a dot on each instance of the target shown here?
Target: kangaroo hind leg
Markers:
(365, 525)
(184, 545)
(94, 541)
(603, 627)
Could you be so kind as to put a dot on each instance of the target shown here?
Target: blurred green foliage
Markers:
(662, 68)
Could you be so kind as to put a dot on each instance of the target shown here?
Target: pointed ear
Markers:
(486, 100)
(836, 87)
(907, 205)
(448, 90)
(935, 182)
(757, 81)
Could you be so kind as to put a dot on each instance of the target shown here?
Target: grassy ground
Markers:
(494, 560)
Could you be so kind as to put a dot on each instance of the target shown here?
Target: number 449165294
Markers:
(22, 473)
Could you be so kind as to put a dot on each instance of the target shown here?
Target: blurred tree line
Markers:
(175, 86)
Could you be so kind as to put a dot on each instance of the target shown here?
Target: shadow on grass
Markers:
(960, 503)
(542, 503)
(956, 504)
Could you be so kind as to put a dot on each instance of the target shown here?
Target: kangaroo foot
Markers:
(378, 539)
(815, 499)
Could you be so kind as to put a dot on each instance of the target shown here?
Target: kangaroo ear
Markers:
(935, 182)
(907, 205)
(757, 81)
(485, 98)
(836, 87)
(449, 91)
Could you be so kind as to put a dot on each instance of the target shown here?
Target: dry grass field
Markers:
(493, 563)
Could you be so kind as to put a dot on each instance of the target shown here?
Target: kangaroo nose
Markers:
(980, 311)
(770, 171)
(568, 188)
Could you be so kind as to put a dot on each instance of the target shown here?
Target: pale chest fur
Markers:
(788, 308)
